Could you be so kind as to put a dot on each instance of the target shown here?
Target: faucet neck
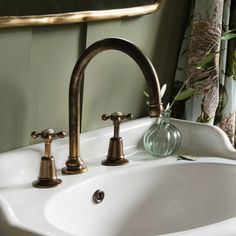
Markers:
(130, 49)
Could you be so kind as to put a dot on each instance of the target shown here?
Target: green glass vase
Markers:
(163, 138)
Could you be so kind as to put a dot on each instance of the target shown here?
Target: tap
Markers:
(74, 163)
(47, 174)
(115, 156)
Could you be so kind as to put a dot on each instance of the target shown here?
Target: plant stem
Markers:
(182, 87)
(210, 48)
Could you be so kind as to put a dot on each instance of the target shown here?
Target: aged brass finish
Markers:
(77, 17)
(47, 174)
(115, 156)
(74, 163)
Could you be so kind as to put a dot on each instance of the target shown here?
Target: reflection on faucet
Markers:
(75, 164)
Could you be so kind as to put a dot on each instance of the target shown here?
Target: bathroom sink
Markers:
(146, 197)
(150, 199)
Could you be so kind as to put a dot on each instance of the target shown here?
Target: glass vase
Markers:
(163, 138)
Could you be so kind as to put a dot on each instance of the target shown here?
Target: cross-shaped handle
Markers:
(117, 117)
(48, 135)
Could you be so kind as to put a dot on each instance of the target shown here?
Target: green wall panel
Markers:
(14, 87)
(113, 81)
(54, 52)
(36, 65)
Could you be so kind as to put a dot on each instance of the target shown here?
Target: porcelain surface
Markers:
(146, 197)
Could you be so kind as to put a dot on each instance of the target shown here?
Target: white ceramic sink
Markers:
(147, 197)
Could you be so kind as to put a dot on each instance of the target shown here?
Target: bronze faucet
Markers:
(75, 164)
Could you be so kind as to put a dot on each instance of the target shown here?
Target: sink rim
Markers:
(165, 162)
(192, 134)
(101, 171)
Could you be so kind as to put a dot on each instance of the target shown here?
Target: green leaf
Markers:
(231, 34)
(167, 106)
(163, 90)
(201, 79)
(228, 36)
(233, 66)
(206, 61)
(187, 93)
(146, 94)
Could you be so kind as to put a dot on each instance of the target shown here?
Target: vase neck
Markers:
(166, 116)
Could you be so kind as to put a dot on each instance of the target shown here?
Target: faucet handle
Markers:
(47, 174)
(115, 154)
(117, 117)
(48, 135)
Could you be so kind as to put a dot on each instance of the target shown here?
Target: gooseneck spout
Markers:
(75, 164)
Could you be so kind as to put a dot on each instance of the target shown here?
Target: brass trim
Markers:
(47, 174)
(116, 156)
(77, 17)
(41, 183)
(74, 164)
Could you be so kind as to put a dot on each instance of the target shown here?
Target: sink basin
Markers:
(146, 197)
(151, 199)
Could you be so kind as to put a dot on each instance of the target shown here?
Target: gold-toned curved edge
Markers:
(77, 17)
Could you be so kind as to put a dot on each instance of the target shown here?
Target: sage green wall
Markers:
(36, 63)
(113, 80)
(35, 68)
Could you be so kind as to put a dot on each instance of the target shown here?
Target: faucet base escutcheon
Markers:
(119, 162)
(46, 183)
(115, 156)
(47, 174)
(74, 166)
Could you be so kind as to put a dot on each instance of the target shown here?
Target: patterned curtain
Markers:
(215, 99)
